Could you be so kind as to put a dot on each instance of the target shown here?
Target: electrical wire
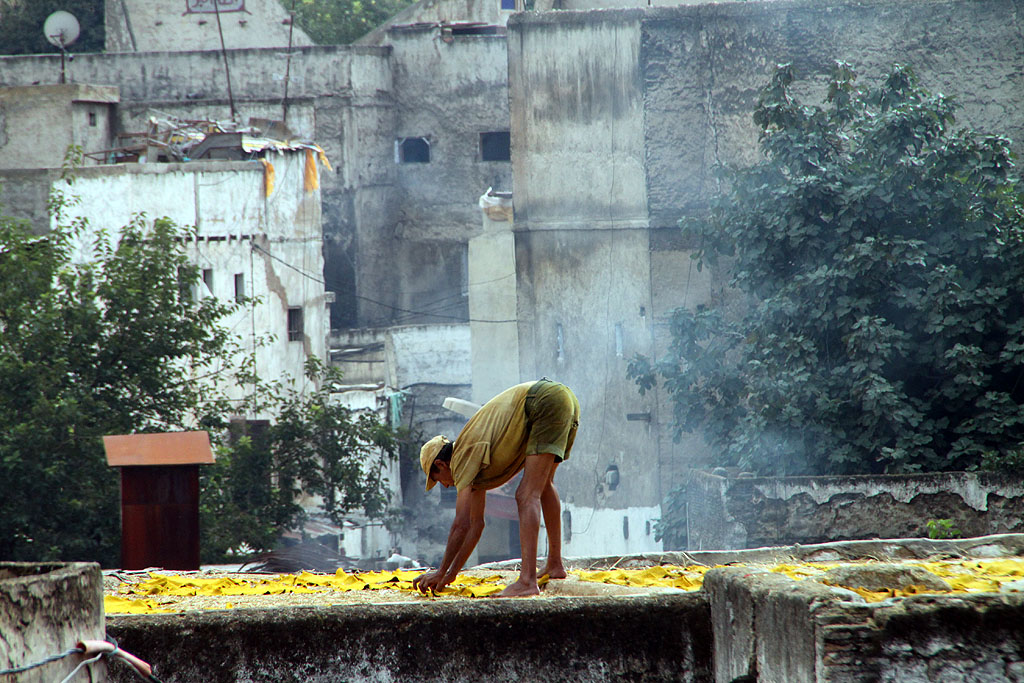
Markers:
(374, 301)
(42, 662)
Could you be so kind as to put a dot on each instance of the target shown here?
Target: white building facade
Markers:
(257, 247)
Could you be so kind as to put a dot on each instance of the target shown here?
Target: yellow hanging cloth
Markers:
(312, 181)
(268, 177)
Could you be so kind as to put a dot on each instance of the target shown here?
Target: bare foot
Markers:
(553, 572)
(519, 589)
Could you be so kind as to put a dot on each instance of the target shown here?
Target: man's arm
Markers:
(462, 539)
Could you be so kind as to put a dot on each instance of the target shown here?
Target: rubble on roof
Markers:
(172, 139)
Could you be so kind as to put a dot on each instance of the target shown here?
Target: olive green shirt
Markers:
(491, 448)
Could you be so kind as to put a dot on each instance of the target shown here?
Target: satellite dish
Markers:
(61, 29)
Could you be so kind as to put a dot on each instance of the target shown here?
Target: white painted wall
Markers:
(492, 298)
(273, 242)
(427, 354)
(600, 531)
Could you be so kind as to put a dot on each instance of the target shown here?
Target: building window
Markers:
(239, 287)
(295, 324)
(496, 146)
(92, 119)
(208, 280)
(413, 151)
(508, 4)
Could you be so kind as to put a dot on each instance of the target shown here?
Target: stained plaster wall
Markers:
(340, 97)
(447, 92)
(440, 12)
(583, 258)
(725, 512)
(39, 123)
(226, 203)
(154, 25)
(46, 609)
(493, 308)
(776, 630)
(618, 120)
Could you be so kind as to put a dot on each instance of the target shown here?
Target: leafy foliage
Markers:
(21, 25)
(339, 22)
(100, 334)
(315, 446)
(95, 338)
(879, 255)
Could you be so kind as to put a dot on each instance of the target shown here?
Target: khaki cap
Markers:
(429, 453)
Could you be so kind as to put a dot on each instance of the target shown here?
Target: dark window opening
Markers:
(413, 151)
(208, 279)
(496, 146)
(295, 332)
(239, 287)
(489, 30)
(92, 118)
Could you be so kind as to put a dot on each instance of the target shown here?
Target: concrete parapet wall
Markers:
(657, 638)
(777, 630)
(731, 513)
(45, 609)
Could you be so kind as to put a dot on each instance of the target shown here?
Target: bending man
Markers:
(529, 427)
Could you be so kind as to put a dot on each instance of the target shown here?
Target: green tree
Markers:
(100, 334)
(314, 446)
(339, 22)
(21, 25)
(97, 336)
(880, 327)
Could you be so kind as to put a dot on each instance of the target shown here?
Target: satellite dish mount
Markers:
(61, 29)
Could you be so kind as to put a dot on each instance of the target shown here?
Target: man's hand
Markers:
(433, 582)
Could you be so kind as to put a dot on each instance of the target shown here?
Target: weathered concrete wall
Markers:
(578, 639)
(578, 121)
(428, 354)
(493, 308)
(440, 12)
(581, 293)
(45, 609)
(447, 92)
(341, 97)
(39, 123)
(702, 68)
(155, 25)
(618, 119)
(751, 512)
(273, 243)
(778, 630)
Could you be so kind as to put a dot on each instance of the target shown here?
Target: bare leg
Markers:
(536, 476)
(551, 507)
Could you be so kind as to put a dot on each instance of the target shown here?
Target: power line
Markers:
(374, 301)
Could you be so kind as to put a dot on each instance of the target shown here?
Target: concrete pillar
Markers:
(45, 609)
(494, 354)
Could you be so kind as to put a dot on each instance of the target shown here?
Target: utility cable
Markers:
(93, 650)
(314, 278)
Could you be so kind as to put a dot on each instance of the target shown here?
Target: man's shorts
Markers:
(552, 416)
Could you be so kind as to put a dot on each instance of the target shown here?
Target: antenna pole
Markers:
(224, 52)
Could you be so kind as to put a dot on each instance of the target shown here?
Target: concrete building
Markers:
(247, 244)
(174, 25)
(618, 119)
(610, 122)
(39, 122)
